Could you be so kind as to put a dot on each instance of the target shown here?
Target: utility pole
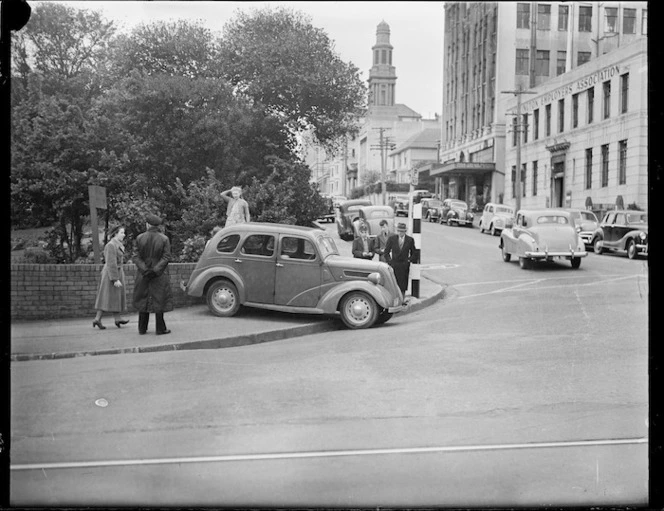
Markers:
(518, 128)
(384, 144)
(533, 43)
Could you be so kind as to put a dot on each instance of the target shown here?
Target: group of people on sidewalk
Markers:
(152, 288)
(397, 250)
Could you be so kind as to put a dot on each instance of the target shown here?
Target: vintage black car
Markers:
(456, 211)
(622, 231)
(331, 213)
(347, 213)
(431, 209)
(399, 203)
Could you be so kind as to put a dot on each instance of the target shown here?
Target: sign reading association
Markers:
(578, 86)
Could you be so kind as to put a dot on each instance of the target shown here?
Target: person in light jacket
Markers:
(237, 211)
(152, 289)
(111, 295)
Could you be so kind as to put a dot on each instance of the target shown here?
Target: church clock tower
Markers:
(382, 76)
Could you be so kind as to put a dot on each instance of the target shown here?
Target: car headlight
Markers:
(578, 229)
(642, 235)
(375, 278)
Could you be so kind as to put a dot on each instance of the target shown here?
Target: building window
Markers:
(624, 92)
(644, 22)
(524, 124)
(543, 17)
(542, 64)
(513, 181)
(622, 162)
(575, 110)
(605, 165)
(589, 169)
(514, 130)
(561, 115)
(547, 110)
(560, 63)
(563, 17)
(629, 21)
(383, 56)
(534, 178)
(522, 15)
(591, 104)
(606, 88)
(521, 62)
(523, 180)
(582, 57)
(536, 124)
(611, 19)
(585, 18)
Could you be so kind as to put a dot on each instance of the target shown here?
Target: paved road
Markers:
(523, 387)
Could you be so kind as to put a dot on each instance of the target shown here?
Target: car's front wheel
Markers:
(383, 317)
(358, 310)
(494, 232)
(597, 246)
(576, 262)
(223, 299)
(631, 249)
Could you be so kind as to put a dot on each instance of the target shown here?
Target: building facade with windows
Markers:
(585, 140)
(494, 48)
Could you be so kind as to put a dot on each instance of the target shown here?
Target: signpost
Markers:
(97, 196)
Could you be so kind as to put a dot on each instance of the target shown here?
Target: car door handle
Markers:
(279, 265)
(238, 260)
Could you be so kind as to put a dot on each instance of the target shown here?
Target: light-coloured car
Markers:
(542, 235)
(623, 231)
(292, 269)
(399, 203)
(371, 216)
(496, 217)
(586, 224)
(347, 214)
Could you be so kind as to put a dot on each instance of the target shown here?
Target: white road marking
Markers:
(327, 454)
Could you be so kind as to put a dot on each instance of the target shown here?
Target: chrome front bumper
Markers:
(546, 255)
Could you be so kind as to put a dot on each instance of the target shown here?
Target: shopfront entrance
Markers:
(558, 185)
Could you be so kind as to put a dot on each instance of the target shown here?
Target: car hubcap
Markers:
(224, 299)
(358, 310)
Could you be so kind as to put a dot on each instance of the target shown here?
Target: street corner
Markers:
(414, 304)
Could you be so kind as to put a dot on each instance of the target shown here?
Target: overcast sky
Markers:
(416, 32)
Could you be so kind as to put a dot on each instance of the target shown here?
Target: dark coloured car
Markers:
(456, 212)
(399, 203)
(431, 209)
(292, 269)
(586, 224)
(347, 215)
(331, 213)
(625, 231)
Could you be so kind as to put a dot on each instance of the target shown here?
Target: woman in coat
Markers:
(111, 295)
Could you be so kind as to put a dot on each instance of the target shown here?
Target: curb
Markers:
(327, 325)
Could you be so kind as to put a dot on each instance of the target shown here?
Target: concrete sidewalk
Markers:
(191, 328)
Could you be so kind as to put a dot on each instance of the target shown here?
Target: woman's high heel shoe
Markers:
(121, 322)
(97, 323)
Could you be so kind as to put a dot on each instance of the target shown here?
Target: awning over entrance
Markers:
(462, 168)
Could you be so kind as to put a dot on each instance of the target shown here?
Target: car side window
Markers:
(610, 218)
(228, 243)
(620, 219)
(297, 248)
(258, 244)
(490, 209)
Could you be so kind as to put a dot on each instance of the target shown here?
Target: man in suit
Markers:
(381, 240)
(363, 247)
(399, 253)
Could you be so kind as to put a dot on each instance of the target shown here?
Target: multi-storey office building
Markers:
(584, 141)
(492, 48)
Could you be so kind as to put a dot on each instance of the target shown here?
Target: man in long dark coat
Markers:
(399, 253)
(152, 289)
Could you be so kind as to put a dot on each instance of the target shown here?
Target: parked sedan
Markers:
(399, 203)
(542, 235)
(586, 224)
(431, 209)
(347, 214)
(455, 211)
(496, 217)
(292, 269)
(623, 231)
(371, 216)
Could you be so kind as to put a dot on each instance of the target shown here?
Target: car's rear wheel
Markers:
(506, 255)
(597, 246)
(631, 249)
(524, 263)
(383, 317)
(576, 262)
(358, 310)
(223, 299)
(493, 230)
(481, 228)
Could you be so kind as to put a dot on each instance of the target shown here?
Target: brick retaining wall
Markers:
(43, 291)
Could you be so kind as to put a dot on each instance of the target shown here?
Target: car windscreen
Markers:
(353, 208)
(637, 218)
(434, 204)
(552, 219)
(504, 210)
(326, 246)
(459, 205)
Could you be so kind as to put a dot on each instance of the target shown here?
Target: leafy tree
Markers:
(289, 67)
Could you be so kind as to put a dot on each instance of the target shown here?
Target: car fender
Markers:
(631, 235)
(524, 243)
(197, 287)
(330, 300)
(508, 241)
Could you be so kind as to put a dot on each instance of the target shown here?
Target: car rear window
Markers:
(636, 218)
(259, 244)
(380, 213)
(552, 219)
(460, 205)
(504, 210)
(228, 243)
